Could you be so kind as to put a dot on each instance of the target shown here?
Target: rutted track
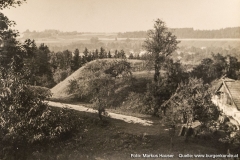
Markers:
(128, 119)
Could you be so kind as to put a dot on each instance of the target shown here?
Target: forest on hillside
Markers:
(48, 33)
(131, 42)
(233, 32)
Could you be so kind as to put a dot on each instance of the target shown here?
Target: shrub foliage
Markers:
(26, 119)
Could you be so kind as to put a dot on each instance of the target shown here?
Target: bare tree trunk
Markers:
(171, 144)
(172, 131)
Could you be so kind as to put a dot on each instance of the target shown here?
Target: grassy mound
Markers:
(60, 91)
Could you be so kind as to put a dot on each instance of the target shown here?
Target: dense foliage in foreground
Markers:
(26, 120)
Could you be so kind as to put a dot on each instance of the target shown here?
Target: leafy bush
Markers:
(192, 101)
(26, 119)
(41, 91)
(60, 75)
(104, 83)
(135, 102)
(100, 80)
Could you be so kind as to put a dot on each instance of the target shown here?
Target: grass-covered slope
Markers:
(60, 91)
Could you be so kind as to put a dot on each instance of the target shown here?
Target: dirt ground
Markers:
(128, 119)
(119, 139)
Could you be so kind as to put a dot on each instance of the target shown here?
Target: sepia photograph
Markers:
(119, 79)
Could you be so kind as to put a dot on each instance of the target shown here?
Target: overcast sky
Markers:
(123, 15)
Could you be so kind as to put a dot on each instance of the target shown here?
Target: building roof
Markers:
(233, 88)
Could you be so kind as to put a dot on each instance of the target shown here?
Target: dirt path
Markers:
(128, 119)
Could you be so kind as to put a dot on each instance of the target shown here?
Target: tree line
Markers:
(231, 32)
(50, 33)
(47, 68)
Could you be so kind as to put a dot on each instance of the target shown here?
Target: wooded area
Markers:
(233, 32)
(175, 94)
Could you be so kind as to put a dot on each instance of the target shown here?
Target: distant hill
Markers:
(130, 41)
(51, 33)
(181, 33)
(56, 35)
